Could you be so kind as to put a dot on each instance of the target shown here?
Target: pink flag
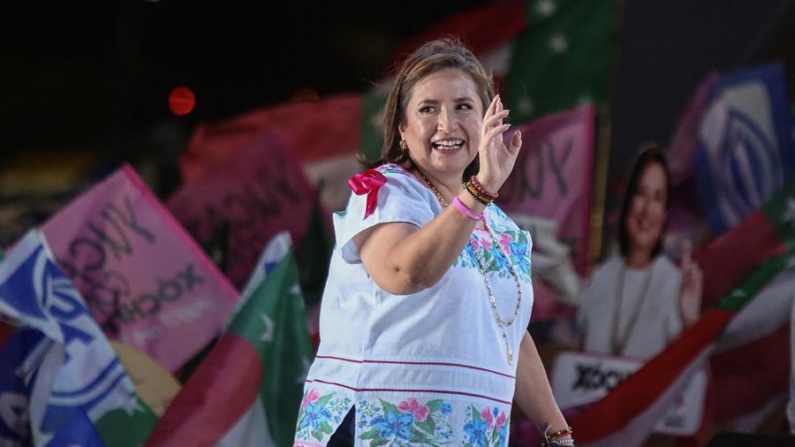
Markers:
(144, 279)
(553, 176)
(259, 192)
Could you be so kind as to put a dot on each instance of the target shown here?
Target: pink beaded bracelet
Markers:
(465, 210)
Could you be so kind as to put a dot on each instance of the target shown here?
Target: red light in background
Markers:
(181, 101)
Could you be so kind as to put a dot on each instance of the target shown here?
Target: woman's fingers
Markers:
(495, 119)
(495, 132)
(492, 108)
(516, 141)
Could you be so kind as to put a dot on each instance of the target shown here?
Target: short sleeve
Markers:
(401, 199)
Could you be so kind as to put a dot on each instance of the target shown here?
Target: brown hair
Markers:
(431, 57)
(653, 154)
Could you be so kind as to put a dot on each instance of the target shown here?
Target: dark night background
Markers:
(98, 74)
(90, 80)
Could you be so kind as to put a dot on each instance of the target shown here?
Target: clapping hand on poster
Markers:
(690, 292)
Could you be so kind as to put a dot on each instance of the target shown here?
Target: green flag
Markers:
(314, 255)
(372, 130)
(562, 59)
(252, 381)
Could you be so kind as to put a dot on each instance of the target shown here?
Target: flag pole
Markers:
(604, 136)
(599, 191)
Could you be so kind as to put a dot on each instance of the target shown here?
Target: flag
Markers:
(248, 390)
(681, 148)
(549, 194)
(475, 28)
(259, 191)
(744, 153)
(145, 280)
(312, 130)
(61, 378)
(563, 59)
(768, 232)
(313, 261)
(553, 175)
(748, 368)
(684, 214)
(758, 250)
(372, 129)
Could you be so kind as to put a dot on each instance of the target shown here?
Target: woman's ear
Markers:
(402, 129)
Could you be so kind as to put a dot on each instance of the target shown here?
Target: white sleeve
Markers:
(401, 199)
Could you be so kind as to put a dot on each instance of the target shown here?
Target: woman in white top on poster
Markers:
(640, 301)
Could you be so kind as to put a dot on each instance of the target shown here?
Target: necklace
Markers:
(501, 323)
(619, 341)
(433, 188)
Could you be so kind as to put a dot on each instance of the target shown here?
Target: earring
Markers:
(403, 145)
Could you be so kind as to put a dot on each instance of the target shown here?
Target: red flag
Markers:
(481, 30)
(259, 192)
(311, 129)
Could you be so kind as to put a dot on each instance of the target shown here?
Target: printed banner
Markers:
(259, 192)
(61, 383)
(745, 149)
(582, 378)
(146, 282)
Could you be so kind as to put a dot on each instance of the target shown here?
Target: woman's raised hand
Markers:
(496, 159)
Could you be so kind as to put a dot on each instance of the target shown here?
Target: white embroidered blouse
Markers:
(425, 368)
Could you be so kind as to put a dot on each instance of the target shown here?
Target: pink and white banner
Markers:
(146, 282)
(553, 176)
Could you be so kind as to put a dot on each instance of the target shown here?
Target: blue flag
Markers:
(61, 384)
(744, 153)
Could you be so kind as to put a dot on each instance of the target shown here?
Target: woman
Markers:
(638, 302)
(423, 319)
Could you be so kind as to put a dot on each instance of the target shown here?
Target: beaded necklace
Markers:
(501, 323)
(618, 342)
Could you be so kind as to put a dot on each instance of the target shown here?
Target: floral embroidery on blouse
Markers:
(512, 242)
(408, 423)
(318, 413)
(487, 427)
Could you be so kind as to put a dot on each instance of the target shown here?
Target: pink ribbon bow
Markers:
(368, 182)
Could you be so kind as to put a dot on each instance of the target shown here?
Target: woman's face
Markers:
(443, 120)
(647, 211)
